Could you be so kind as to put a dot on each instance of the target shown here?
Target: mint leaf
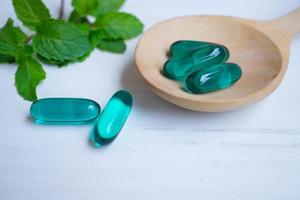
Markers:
(59, 40)
(96, 36)
(115, 46)
(31, 12)
(85, 7)
(109, 6)
(62, 63)
(53, 62)
(6, 58)
(96, 7)
(76, 18)
(11, 38)
(119, 25)
(29, 74)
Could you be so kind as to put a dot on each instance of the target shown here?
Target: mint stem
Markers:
(61, 11)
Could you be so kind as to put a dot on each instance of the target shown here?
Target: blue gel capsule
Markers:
(64, 110)
(112, 119)
(189, 57)
(184, 47)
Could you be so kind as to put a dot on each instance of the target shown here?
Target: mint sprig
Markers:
(60, 42)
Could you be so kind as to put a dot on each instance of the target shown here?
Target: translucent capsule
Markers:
(214, 78)
(112, 119)
(183, 47)
(64, 110)
(189, 56)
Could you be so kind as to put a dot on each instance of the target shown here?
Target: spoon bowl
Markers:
(260, 48)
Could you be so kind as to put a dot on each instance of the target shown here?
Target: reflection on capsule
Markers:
(112, 119)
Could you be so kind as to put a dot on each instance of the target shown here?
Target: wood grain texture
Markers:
(260, 48)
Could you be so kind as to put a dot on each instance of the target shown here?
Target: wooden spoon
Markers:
(260, 48)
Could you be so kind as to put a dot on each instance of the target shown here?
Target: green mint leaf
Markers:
(62, 63)
(76, 18)
(96, 36)
(61, 41)
(96, 7)
(53, 62)
(6, 58)
(119, 25)
(31, 12)
(85, 7)
(11, 38)
(109, 6)
(115, 46)
(84, 57)
(29, 74)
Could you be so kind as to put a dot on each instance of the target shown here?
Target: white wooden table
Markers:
(163, 152)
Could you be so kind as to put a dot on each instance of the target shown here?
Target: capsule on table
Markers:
(112, 119)
(214, 78)
(64, 110)
(200, 56)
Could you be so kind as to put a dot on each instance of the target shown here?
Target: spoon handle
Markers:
(290, 22)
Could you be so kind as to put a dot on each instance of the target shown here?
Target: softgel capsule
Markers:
(64, 110)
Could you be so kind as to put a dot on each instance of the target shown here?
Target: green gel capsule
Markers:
(112, 119)
(214, 78)
(183, 64)
(183, 47)
(64, 110)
